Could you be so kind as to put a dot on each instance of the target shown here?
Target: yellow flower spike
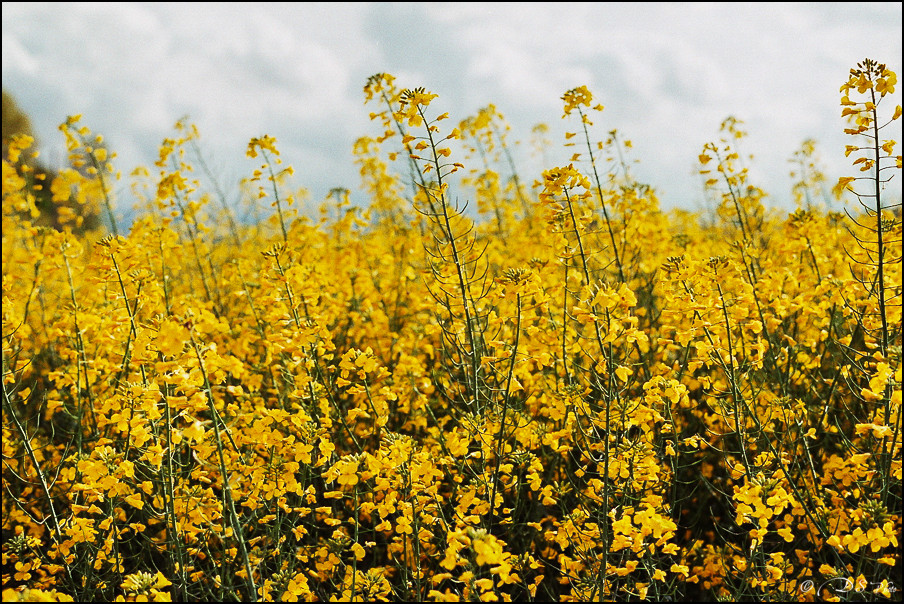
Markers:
(264, 143)
(575, 97)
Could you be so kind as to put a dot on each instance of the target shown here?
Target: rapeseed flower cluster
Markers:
(564, 394)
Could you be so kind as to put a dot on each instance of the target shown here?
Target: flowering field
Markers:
(562, 393)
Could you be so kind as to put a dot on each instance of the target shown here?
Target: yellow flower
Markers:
(412, 103)
(171, 338)
(264, 143)
(842, 186)
(886, 85)
(346, 470)
(575, 97)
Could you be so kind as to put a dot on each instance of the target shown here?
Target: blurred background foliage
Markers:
(16, 121)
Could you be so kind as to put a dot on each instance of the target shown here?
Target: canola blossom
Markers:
(563, 393)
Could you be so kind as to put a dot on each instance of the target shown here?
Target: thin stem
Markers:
(500, 447)
(224, 473)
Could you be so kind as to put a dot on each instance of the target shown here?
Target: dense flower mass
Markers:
(564, 393)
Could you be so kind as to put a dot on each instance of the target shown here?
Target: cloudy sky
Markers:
(668, 75)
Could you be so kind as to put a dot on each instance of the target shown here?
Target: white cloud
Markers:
(667, 73)
(15, 54)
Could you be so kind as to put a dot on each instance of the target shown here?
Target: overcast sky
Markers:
(668, 75)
